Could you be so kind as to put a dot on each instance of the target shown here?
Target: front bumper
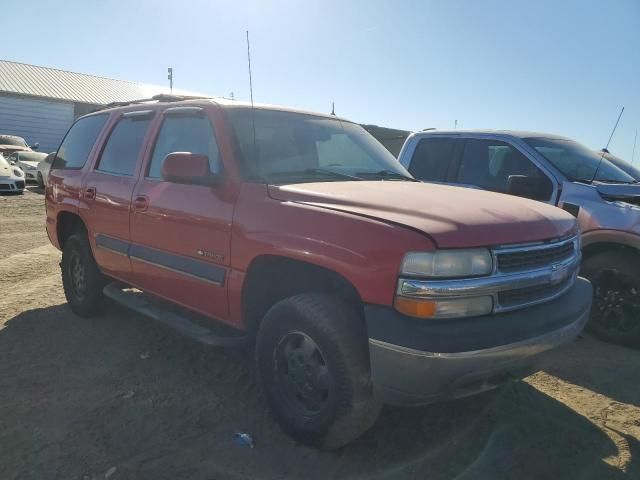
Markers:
(417, 361)
(11, 186)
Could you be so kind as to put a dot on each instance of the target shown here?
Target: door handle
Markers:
(90, 193)
(141, 202)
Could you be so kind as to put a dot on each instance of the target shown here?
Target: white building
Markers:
(40, 103)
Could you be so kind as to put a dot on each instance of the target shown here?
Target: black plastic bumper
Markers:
(416, 361)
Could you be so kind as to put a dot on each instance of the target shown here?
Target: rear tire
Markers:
(82, 280)
(615, 314)
(313, 367)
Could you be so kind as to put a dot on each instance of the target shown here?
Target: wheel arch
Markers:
(67, 224)
(271, 278)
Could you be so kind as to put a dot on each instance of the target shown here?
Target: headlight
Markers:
(17, 172)
(24, 166)
(448, 263)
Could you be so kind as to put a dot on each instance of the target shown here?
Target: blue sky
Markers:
(557, 66)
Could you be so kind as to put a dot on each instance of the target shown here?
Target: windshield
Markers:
(11, 140)
(294, 147)
(623, 165)
(3, 162)
(577, 162)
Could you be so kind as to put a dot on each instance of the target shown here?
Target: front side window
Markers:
(577, 162)
(191, 134)
(287, 147)
(122, 149)
(79, 141)
(431, 159)
(490, 163)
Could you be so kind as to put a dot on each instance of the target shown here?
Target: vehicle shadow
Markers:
(601, 367)
(81, 396)
(35, 189)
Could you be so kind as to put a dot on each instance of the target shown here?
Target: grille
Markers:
(534, 258)
(4, 186)
(19, 184)
(522, 296)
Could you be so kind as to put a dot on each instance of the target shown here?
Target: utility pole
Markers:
(333, 109)
(170, 77)
(455, 124)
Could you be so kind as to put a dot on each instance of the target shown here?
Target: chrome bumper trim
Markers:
(551, 275)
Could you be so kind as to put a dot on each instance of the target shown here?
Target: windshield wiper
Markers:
(390, 174)
(325, 171)
(314, 171)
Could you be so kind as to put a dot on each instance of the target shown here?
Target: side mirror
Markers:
(189, 168)
(34, 146)
(535, 188)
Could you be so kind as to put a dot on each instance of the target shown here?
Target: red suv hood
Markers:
(453, 217)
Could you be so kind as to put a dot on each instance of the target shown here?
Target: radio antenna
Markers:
(633, 152)
(606, 149)
(253, 115)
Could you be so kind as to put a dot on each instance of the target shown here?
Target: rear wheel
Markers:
(40, 180)
(313, 366)
(615, 314)
(81, 279)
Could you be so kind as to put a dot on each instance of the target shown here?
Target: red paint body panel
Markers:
(182, 220)
(365, 251)
(61, 195)
(108, 214)
(454, 218)
(360, 230)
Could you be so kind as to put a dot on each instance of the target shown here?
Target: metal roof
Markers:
(24, 79)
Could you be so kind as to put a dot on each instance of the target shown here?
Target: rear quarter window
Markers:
(77, 144)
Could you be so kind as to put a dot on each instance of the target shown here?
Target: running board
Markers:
(145, 305)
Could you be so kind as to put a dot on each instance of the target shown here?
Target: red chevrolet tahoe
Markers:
(299, 232)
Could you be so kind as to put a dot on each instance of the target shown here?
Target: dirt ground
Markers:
(121, 397)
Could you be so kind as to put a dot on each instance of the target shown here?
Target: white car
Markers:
(11, 177)
(43, 169)
(28, 163)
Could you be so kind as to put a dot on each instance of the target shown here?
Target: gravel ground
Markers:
(121, 397)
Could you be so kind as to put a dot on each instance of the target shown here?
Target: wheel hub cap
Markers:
(302, 372)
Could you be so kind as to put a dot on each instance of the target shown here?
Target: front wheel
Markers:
(81, 279)
(313, 366)
(615, 313)
(40, 180)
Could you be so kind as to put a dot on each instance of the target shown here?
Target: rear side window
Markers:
(122, 150)
(181, 133)
(78, 142)
(431, 159)
(490, 163)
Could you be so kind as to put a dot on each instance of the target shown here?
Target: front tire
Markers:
(81, 279)
(615, 314)
(313, 366)
(40, 180)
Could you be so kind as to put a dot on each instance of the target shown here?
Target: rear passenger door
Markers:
(107, 191)
(181, 233)
(432, 159)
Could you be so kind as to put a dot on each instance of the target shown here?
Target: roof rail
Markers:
(161, 97)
